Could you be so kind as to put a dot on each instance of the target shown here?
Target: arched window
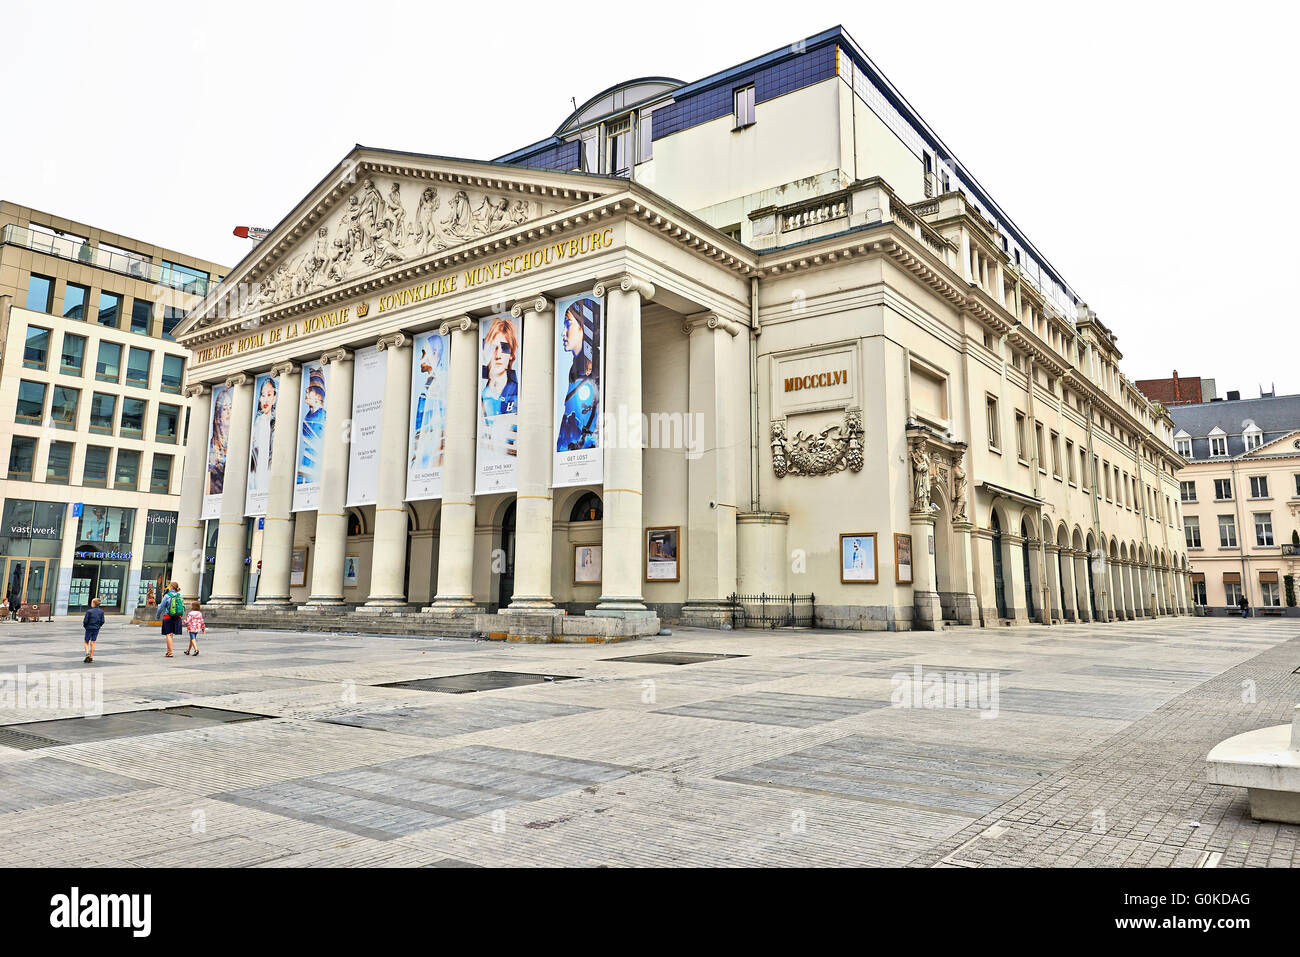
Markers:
(354, 524)
(588, 508)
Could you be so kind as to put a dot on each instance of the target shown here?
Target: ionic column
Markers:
(456, 535)
(232, 530)
(187, 560)
(536, 452)
(710, 554)
(277, 536)
(388, 556)
(331, 517)
(968, 605)
(622, 441)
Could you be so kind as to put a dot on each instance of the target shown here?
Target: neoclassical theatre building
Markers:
(757, 333)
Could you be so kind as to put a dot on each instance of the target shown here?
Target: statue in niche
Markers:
(920, 479)
(959, 492)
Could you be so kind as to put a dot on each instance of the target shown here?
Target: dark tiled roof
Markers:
(1276, 416)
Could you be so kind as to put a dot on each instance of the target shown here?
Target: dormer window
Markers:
(1252, 436)
(618, 146)
(1218, 443)
(1183, 444)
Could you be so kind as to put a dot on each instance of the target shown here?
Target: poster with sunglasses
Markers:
(579, 337)
(500, 370)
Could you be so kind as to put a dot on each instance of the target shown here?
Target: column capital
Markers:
(392, 341)
(284, 368)
(626, 283)
(337, 355)
(193, 390)
(710, 320)
(459, 324)
(538, 303)
(238, 379)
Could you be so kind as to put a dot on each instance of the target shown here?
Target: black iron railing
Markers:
(772, 611)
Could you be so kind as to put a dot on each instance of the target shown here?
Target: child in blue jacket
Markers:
(92, 622)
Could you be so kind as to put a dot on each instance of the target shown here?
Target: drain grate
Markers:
(674, 658)
(476, 681)
(124, 724)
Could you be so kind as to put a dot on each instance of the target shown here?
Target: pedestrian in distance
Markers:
(92, 621)
(171, 609)
(194, 624)
(1243, 605)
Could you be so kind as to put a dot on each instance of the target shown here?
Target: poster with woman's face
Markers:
(430, 356)
(266, 398)
(500, 368)
(223, 399)
(579, 335)
(311, 437)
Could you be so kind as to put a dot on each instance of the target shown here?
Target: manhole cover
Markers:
(476, 681)
(674, 658)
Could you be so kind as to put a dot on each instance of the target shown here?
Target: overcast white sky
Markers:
(1145, 148)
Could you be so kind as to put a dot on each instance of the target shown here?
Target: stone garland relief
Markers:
(374, 230)
(826, 452)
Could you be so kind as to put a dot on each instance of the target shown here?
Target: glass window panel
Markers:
(160, 479)
(31, 402)
(101, 523)
(74, 301)
(168, 422)
(171, 319)
(40, 293)
(109, 365)
(22, 455)
(36, 351)
(141, 314)
(173, 373)
(133, 417)
(127, 473)
(74, 354)
(102, 409)
(110, 309)
(137, 366)
(63, 407)
(95, 471)
(59, 465)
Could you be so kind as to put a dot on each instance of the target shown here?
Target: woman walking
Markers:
(92, 622)
(171, 610)
(194, 624)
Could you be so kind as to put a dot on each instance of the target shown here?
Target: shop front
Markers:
(102, 559)
(157, 558)
(30, 540)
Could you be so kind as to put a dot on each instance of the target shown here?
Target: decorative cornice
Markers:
(238, 379)
(336, 355)
(459, 324)
(284, 368)
(392, 341)
(713, 321)
(625, 283)
(537, 303)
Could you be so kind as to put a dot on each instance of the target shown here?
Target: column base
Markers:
(378, 606)
(619, 610)
(224, 601)
(967, 607)
(272, 603)
(332, 603)
(706, 613)
(538, 605)
(927, 611)
(451, 606)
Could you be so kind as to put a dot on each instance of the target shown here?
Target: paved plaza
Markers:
(1072, 745)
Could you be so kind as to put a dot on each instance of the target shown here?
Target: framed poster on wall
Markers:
(858, 558)
(902, 558)
(351, 571)
(298, 567)
(586, 564)
(662, 548)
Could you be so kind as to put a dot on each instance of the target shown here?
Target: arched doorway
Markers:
(1092, 583)
(506, 582)
(1029, 576)
(999, 588)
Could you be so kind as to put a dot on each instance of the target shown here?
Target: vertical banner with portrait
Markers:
(430, 357)
(368, 377)
(579, 373)
(308, 472)
(266, 399)
(223, 399)
(499, 373)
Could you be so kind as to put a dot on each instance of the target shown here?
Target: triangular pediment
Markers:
(378, 211)
(1288, 444)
